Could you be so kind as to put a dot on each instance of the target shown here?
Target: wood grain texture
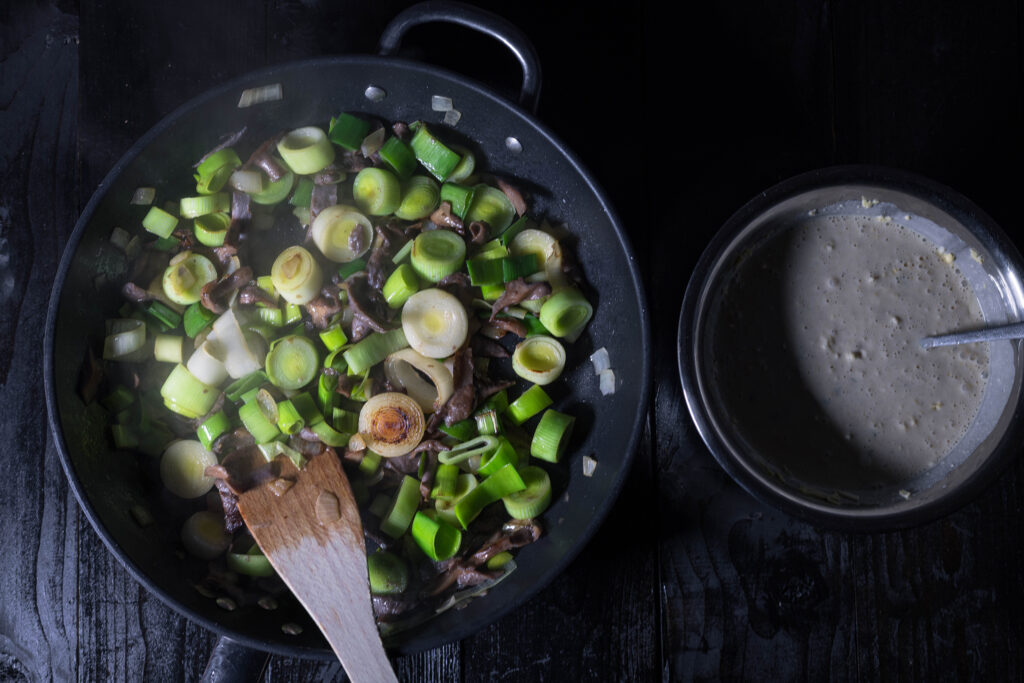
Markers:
(721, 587)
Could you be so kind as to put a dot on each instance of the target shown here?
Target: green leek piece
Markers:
(492, 292)
(252, 563)
(534, 326)
(326, 390)
(420, 196)
(196, 318)
(459, 196)
(376, 191)
(437, 254)
(186, 395)
(329, 435)
(400, 285)
(254, 420)
(403, 253)
(119, 399)
(370, 463)
(272, 449)
(306, 150)
(190, 207)
(388, 573)
(467, 164)
(511, 231)
(504, 454)
(214, 171)
(292, 362)
(435, 156)
(487, 421)
(350, 268)
(345, 420)
(534, 499)
(254, 380)
(211, 229)
(445, 481)
(551, 436)
(159, 222)
(485, 271)
(497, 402)
(336, 360)
(531, 402)
(292, 313)
(214, 426)
(266, 283)
(499, 561)
(271, 316)
(539, 359)
(445, 507)
(124, 437)
(334, 337)
(374, 348)
(403, 508)
(166, 244)
(492, 250)
(462, 430)
(166, 316)
(491, 206)
(275, 192)
(288, 419)
(566, 312)
(303, 193)
(348, 131)
(436, 538)
(399, 156)
(515, 267)
(478, 446)
(307, 408)
(495, 487)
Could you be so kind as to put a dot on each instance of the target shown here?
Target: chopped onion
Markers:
(401, 369)
(607, 381)
(589, 465)
(374, 94)
(120, 238)
(265, 93)
(441, 103)
(250, 182)
(143, 196)
(452, 116)
(601, 360)
(372, 142)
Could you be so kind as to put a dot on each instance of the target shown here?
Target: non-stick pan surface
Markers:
(85, 294)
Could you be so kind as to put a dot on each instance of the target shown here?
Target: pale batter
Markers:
(817, 351)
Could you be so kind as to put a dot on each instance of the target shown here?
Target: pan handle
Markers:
(232, 662)
(480, 20)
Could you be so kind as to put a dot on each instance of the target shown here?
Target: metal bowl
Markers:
(987, 259)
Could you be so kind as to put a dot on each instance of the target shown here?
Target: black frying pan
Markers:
(108, 484)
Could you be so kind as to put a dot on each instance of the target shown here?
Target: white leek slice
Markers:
(250, 182)
(435, 323)
(125, 340)
(183, 468)
(548, 252)
(296, 275)
(341, 234)
(403, 369)
(391, 424)
(204, 535)
(206, 364)
(185, 277)
(239, 360)
(167, 348)
(539, 359)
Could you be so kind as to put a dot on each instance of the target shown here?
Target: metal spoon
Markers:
(1012, 331)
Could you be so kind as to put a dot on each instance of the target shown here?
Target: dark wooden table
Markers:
(681, 119)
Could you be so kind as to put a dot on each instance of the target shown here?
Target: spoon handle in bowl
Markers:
(1013, 331)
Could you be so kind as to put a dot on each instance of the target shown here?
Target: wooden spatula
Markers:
(312, 535)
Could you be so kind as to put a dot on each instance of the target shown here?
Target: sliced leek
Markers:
(183, 468)
(551, 436)
(420, 196)
(407, 369)
(391, 423)
(292, 362)
(548, 252)
(491, 206)
(437, 254)
(377, 191)
(185, 277)
(296, 275)
(306, 150)
(341, 234)
(539, 359)
(566, 313)
(534, 499)
(234, 349)
(186, 395)
(204, 535)
(435, 323)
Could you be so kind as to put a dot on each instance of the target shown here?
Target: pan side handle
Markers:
(480, 20)
(232, 662)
